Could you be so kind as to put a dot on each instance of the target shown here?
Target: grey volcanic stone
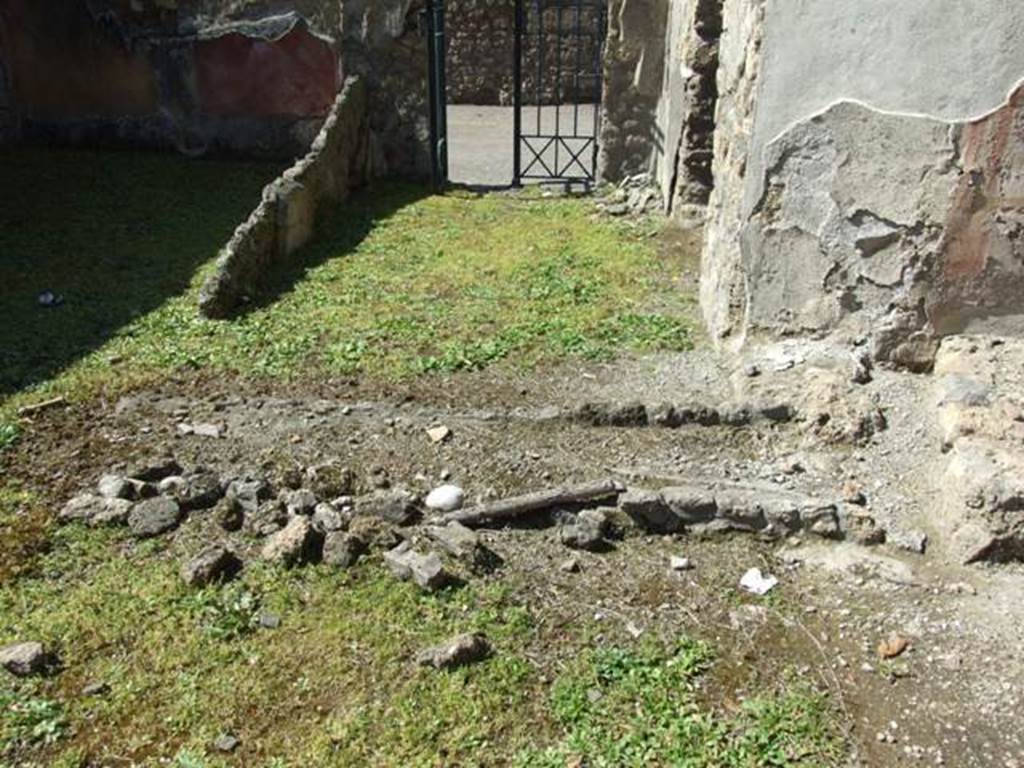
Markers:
(246, 495)
(587, 531)
(81, 508)
(116, 487)
(398, 507)
(24, 659)
(457, 652)
(215, 563)
(226, 742)
(690, 504)
(343, 549)
(426, 570)
(327, 518)
(201, 489)
(456, 539)
(298, 542)
(112, 512)
(95, 510)
(153, 517)
(649, 510)
(300, 502)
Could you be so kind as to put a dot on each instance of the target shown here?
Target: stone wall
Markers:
(382, 42)
(634, 69)
(284, 220)
(868, 181)
(481, 40)
(481, 36)
(155, 74)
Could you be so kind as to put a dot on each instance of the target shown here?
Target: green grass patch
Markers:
(399, 283)
(336, 684)
(9, 434)
(638, 707)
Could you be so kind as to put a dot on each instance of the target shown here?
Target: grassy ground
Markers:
(400, 284)
(335, 684)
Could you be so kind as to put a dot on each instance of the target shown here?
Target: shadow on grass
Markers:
(114, 235)
(338, 232)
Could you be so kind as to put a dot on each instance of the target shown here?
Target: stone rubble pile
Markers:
(633, 196)
(316, 516)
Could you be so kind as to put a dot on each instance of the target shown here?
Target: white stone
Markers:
(757, 583)
(445, 498)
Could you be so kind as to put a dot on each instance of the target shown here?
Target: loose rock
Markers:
(343, 549)
(112, 512)
(462, 542)
(298, 542)
(426, 570)
(153, 517)
(572, 565)
(116, 487)
(81, 508)
(327, 518)
(95, 689)
(200, 489)
(24, 659)
(247, 495)
(445, 498)
(457, 652)
(587, 531)
(439, 434)
(398, 507)
(208, 430)
(911, 541)
(269, 620)
(756, 583)
(300, 502)
(226, 742)
(216, 563)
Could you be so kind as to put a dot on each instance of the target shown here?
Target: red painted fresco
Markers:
(982, 249)
(61, 65)
(296, 75)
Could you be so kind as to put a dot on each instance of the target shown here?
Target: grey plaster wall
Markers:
(867, 168)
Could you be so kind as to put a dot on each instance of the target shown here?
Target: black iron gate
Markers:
(557, 89)
(436, 50)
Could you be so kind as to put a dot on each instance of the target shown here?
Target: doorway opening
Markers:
(515, 90)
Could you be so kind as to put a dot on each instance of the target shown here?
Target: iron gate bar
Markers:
(437, 78)
(558, 152)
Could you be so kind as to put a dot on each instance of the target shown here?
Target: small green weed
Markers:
(623, 707)
(9, 434)
(227, 613)
(27, 719)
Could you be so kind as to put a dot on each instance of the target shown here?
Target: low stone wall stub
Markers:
(286, 217)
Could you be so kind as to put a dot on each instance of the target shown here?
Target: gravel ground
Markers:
(952, 698)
